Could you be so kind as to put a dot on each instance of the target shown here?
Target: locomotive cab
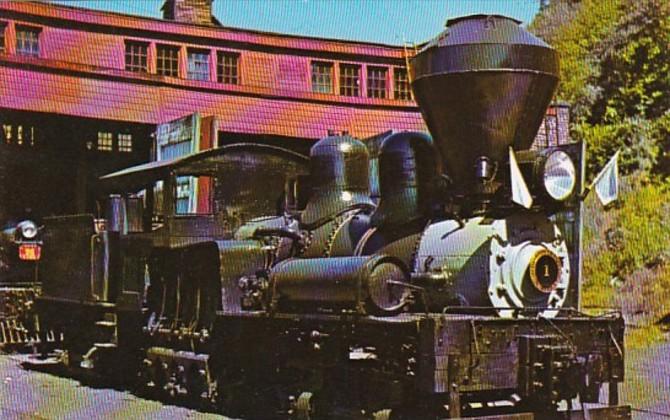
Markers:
(162, 254)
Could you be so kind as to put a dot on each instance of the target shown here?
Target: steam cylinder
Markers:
(408, 169)
(407, 174)
(483, 85)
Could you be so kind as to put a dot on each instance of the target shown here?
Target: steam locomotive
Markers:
(298, 296)
(20, 251)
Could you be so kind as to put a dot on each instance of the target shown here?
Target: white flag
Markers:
(520, 193)
(606, 183)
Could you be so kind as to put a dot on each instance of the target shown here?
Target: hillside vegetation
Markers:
(615, 61)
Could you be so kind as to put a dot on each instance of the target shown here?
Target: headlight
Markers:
(559, 176)
(27, 229)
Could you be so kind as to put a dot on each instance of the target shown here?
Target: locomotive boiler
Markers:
(456, 295)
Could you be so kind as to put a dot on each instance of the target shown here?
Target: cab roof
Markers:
(233, 158)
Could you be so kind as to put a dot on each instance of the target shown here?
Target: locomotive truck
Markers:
(297, 296)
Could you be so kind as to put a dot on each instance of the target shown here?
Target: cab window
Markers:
(194, 195)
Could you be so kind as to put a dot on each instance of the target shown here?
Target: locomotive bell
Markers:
(407, 171)
(483, 85)
(339, 178)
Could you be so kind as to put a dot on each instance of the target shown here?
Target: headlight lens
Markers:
(28, 229)
(559, 176)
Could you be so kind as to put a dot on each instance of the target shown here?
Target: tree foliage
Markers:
(634, 137)
(576, 29)
(634, 77)
(616, 76)
(627, 251)
(662, 133)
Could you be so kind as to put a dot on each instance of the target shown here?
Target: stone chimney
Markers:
(189, 11)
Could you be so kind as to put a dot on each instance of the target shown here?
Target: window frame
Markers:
(124, 142)
(377, 85)
(222, 66)
(173, 70)
(399, 94)
(190, 71)
(3, 36)
(315, 76)
(18, 134)
(188, 192)
(101, 144)
(7, 133)
(346, 89)
(130, 56)
(20, 50)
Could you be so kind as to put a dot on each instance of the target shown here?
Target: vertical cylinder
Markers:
(116, 214)
(134, 214)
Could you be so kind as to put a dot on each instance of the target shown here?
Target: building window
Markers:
(136, 56)
(377, 82)
(322, 77)
(105, 143)
(227, 68)
(195, 195)
(350, 79)
(198, 64)
(401, 89)
(167, 60)
(7, 131)
(125, 143)
(19, 135)
(3, 26)
(27, 41)
(183, 194)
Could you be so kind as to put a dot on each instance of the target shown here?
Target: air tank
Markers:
(483, 85)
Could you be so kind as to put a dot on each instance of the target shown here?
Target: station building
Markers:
(86, 92)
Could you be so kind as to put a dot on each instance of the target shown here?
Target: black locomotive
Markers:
(20, 249)
(297, 296)
(20, 252)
